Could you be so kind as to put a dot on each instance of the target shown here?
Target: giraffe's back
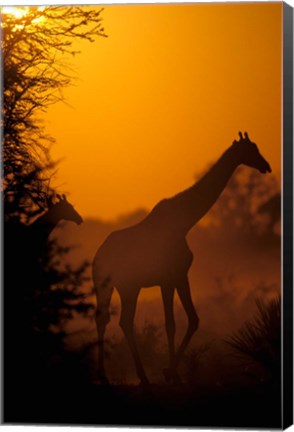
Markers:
(142, 256)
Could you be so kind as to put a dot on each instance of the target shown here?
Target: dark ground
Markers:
(160, 405)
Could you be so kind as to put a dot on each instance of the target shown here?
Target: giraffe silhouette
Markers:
(155, 252)
(19, 236)
(41, 228)
(39, 231)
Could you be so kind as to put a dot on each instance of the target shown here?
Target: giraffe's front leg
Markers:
(128, 308)
(167, 293)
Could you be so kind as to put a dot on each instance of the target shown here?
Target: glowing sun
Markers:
(21, 12)
(17, 12)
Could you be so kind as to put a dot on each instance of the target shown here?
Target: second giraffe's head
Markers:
(66, 210)
(249, 154)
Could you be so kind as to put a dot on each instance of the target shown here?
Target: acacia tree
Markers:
(35, 48)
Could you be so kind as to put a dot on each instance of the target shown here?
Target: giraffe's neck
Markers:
(44, 225)
(192, 204)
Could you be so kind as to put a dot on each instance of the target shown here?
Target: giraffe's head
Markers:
(248, 154)
(66, 210)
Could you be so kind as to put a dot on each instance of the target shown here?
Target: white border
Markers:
(107, 2)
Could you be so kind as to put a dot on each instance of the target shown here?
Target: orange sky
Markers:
(162, 97)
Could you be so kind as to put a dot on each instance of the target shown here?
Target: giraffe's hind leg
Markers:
(183, 289)
(103, 293)
(167, 292)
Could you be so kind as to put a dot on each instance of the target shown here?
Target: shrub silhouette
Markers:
(193, 360)
(260, 338)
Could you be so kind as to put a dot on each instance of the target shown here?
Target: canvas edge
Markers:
(287, 213)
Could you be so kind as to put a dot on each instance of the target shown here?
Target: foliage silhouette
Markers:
(243, 204)
(260, 338)
(34, 51)
(271, 208)
(192, 362)
(41, 292)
